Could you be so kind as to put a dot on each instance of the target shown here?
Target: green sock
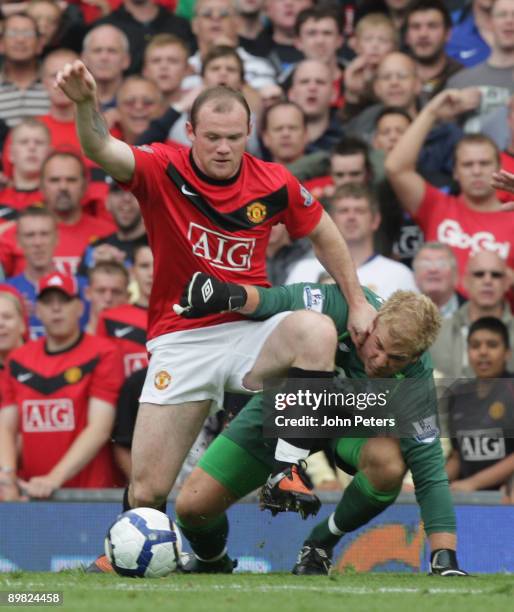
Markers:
(359, 504)
(208, 541)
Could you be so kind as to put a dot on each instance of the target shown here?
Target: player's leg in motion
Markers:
(225, 473)
(303, 347)
(163, 436)
(375, 486)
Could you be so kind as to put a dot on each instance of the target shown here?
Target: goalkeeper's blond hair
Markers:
(412, 319)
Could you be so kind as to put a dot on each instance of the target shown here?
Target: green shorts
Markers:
(241, 459)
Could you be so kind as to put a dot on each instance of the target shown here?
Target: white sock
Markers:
(288, 453)
(332, 527)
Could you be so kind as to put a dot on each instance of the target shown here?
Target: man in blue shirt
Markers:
(468, 42)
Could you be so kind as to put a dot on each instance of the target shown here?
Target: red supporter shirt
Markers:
(73, 240)
(63, 134)
(13, 200)
(218, 227)
(91, 12)
(317, 185)
(448, 219)
(11, 256)
(126, 325)
(52, 392)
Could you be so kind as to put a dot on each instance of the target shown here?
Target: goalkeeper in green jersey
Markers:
(240, 459)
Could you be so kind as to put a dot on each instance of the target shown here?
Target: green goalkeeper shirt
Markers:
(422, 452)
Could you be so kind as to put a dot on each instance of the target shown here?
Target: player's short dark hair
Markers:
(416, 6)
(223, 51)
(63, 152)
(282, 103)
(492, 324)
(392, 110)
(225, 97)
(108, 267)
(352, 145)
(317, 13)
(353, 190)
(478, 139)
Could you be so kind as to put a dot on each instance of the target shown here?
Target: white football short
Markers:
(203, 363)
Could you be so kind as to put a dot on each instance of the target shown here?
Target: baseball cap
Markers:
(62, 282)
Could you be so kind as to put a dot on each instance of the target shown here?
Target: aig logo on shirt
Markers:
(44, 416)
(220, 250)
(482, 445)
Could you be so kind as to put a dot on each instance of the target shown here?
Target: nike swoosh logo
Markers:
(344, 347)
(123, 331)
(186, 192)
(5, 211)
(467, 54)
(24, 377)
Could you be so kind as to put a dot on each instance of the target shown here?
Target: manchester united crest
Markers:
(162, 380)
(256, 212)
(497, 410)
(72, 375)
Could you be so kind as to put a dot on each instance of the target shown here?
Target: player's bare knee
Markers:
(190, 508)
(314, 339)
(144, 495)
(383, 464)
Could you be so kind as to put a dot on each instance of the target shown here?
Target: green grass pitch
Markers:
(273, 592)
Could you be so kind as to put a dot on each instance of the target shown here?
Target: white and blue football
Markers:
(143, 543)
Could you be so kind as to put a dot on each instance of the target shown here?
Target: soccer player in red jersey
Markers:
(211, 208)
(60, 393)
(126, 324)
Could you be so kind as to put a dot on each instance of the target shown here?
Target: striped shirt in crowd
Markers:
(16, 103)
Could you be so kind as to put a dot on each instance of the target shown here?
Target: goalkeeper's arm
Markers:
(205, 295)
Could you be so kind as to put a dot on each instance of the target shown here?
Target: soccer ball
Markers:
(143, 543)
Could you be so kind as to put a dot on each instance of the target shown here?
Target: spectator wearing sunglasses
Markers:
(486, 281)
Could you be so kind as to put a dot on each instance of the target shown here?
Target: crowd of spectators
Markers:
(393, 113)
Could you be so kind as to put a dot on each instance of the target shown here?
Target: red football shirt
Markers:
(13, 200)
(448, 219)
(218, 227)
(126, 325)
(11, 256)
(52, 392)
(73, 240)
(317, 185)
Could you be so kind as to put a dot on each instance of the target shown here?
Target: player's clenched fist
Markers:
(205, 295)
(76, 82)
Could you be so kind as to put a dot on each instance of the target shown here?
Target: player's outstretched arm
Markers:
(205, 295)
(332, 251)
(113, 155)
